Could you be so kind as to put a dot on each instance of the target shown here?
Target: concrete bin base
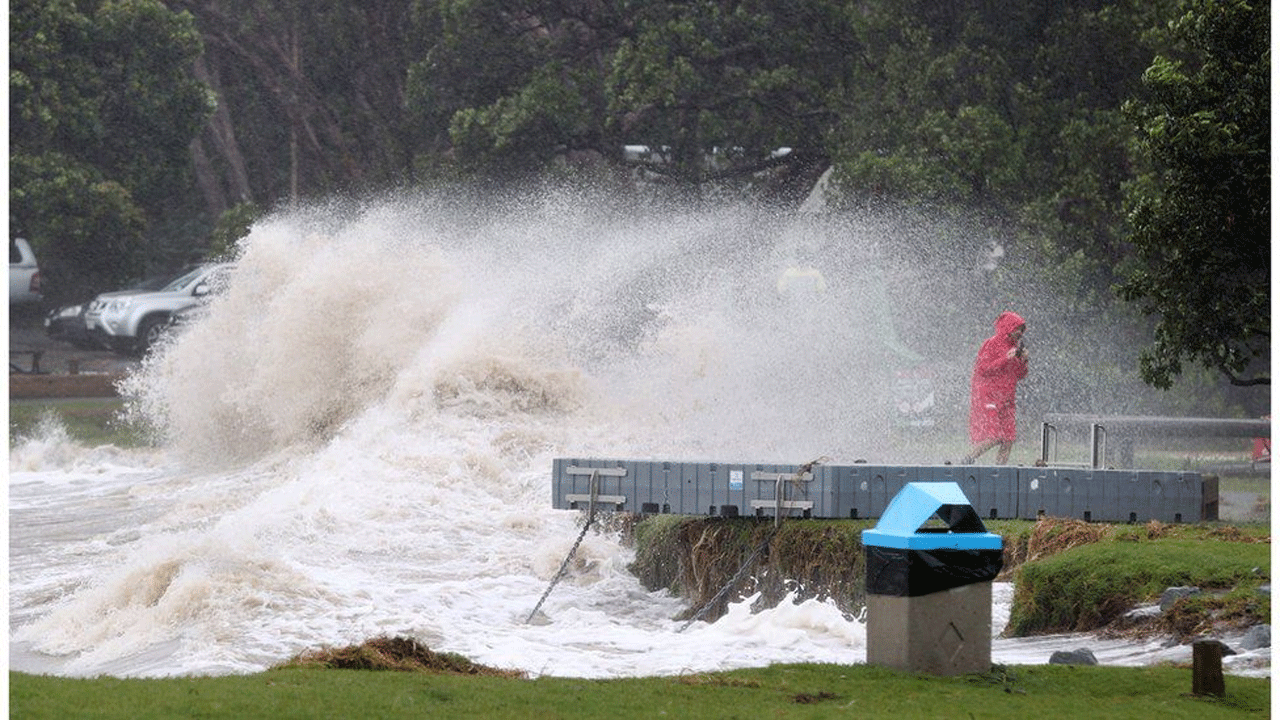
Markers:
(942, 633)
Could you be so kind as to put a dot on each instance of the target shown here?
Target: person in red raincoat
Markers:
(1001, 363)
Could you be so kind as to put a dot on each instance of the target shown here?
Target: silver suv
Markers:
(131, 321)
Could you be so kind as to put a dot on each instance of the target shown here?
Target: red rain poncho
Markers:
(993, 390)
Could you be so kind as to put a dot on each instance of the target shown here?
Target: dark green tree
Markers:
(506, 89)
(718, 87)
(1013, 108)
(1201, 219)
(102, 110)
(311, 98)
(91, 226)
(710, 88)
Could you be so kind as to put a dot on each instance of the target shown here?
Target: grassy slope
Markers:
(1089, 586)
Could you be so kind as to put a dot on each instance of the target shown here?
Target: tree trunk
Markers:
(223, 134)
(207, 179)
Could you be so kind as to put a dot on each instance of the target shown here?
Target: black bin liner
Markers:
(910, 573)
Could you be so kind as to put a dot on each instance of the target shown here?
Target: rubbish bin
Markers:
(929, 582)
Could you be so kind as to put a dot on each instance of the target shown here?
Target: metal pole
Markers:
(1098, 445)
(1045, 431)
(778, 493)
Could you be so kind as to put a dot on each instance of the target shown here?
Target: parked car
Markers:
(188, 316)
(24, 273)
(131, 322)
(67, 323)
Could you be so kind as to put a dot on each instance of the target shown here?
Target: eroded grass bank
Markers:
(1068, 574)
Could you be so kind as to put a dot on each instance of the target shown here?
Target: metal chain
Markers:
(750, 561)
(778, 516)
(733, 582)
(591, 516)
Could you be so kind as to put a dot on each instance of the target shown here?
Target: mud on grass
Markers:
(401, 654)
(1206, 613)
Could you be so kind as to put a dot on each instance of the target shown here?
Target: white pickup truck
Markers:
(130, 321)
(24, 274)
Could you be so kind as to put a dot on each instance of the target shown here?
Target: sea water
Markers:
(356, 441)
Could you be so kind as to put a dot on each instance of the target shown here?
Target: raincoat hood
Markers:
(1007, 323)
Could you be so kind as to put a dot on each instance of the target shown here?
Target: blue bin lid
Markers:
(914, 505)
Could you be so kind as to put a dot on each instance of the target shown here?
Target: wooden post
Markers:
(1206, 668)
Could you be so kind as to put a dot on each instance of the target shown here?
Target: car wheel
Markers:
(150, 331)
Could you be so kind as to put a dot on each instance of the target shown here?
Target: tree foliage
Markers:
(91, 225)
(506, 88)
(312, 97)
(710, 88)
(1201, 220)
(102, 109)
(719, 86)
(1013, 112)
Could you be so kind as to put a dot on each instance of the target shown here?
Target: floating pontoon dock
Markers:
(864, 490)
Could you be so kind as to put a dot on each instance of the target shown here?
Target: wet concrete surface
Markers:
(41, 367)
(31, 346)
(1249, 507)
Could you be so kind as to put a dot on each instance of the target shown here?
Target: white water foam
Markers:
(357, 442)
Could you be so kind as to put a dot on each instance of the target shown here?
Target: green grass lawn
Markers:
(90, 421)
(780, 691)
